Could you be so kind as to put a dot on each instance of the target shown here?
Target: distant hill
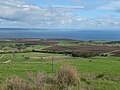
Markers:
(22, 29)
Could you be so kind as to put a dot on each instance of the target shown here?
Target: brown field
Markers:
(84, 49)
(32, 41)
(41, 42)
(38, 42)
(116, 53)
(45, 41)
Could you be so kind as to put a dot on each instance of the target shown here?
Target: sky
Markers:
(95, 14)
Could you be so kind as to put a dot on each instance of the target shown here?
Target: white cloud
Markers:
(21, 14)
(111, 5)
(34, 15)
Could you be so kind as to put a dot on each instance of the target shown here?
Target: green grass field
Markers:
(88, 68)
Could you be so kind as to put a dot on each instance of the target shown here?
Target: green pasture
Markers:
(88, 68)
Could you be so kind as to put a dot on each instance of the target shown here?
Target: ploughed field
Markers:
(44, 41)
(117, 53)
(85, 49)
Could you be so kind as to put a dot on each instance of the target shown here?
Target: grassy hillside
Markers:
(88, 68)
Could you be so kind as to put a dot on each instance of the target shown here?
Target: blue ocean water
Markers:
(66, 34)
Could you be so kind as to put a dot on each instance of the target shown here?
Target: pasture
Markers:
(88, 68)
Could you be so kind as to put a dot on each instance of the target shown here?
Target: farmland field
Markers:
(95, 73)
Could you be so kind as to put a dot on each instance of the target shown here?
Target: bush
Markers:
(100, 76)
(104, 55)
(84, 55)
(16, 83)
(38, 80)
(66, 77)
(27, 58)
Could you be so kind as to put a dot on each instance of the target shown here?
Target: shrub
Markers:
(67, 76)
(104, 55)
(100, 76)
(27, 58)
(16, 83)
(37, 79)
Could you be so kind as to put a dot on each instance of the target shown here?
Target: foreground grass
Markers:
(98, 73)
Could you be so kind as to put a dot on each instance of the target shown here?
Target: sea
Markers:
(61, 34)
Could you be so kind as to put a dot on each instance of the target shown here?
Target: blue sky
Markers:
(97, 14)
